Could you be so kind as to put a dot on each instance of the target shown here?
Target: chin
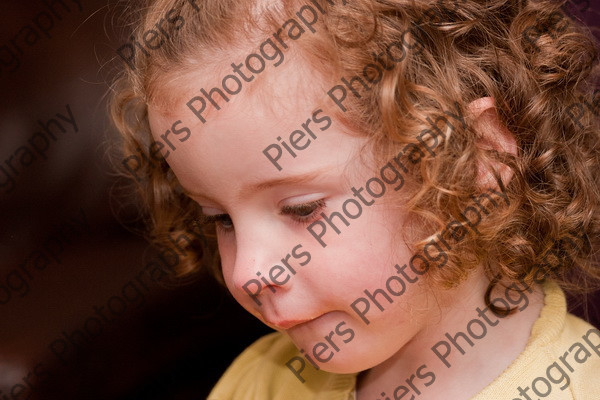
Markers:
(334, 345)
(349, 363)
(333, 355)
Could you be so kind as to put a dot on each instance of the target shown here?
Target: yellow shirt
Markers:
(259, 373)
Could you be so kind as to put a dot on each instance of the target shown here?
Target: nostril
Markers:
(253, 287)
(268, 284)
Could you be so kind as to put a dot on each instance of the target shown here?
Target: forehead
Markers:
(232, 142)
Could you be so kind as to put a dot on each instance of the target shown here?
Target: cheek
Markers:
(369, 345)
(350, 275)
(361, 257)
(380, 327)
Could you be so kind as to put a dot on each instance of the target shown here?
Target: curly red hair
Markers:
(536, 61)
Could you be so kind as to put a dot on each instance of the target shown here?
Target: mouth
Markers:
(289, 323)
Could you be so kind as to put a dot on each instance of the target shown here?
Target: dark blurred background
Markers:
(169, 342)
(68, 250)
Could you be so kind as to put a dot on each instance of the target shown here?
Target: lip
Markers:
(289, 323)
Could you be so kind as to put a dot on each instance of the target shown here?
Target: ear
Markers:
(492, 135)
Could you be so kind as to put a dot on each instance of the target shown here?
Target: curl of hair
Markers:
(458, 51)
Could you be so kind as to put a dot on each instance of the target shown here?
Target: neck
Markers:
(463, 352)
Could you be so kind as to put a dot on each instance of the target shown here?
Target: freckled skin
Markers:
(225, 155)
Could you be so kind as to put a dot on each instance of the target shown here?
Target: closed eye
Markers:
(300, 213)
(304, 213)
(223, 221)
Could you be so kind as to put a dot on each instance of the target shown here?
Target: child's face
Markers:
(223, 165)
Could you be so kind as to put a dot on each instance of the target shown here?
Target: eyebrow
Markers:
(257, 187)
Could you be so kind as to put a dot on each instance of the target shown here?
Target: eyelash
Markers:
(314, 207)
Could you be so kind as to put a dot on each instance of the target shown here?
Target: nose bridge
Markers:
(255, 244)
(258, 249)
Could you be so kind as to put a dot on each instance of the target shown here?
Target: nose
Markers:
(256, 269)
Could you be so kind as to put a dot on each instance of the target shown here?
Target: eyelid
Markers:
(291, 211)
(216, 219)
(212, 214)
(300, 200)
(314, 207)
(216, 211)
(208, 219)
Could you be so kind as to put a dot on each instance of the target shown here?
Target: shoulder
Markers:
(560, 361)
(579, 357)
(265, 370)
(568, 367)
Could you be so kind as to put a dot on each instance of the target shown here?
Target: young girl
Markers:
(400, 188)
